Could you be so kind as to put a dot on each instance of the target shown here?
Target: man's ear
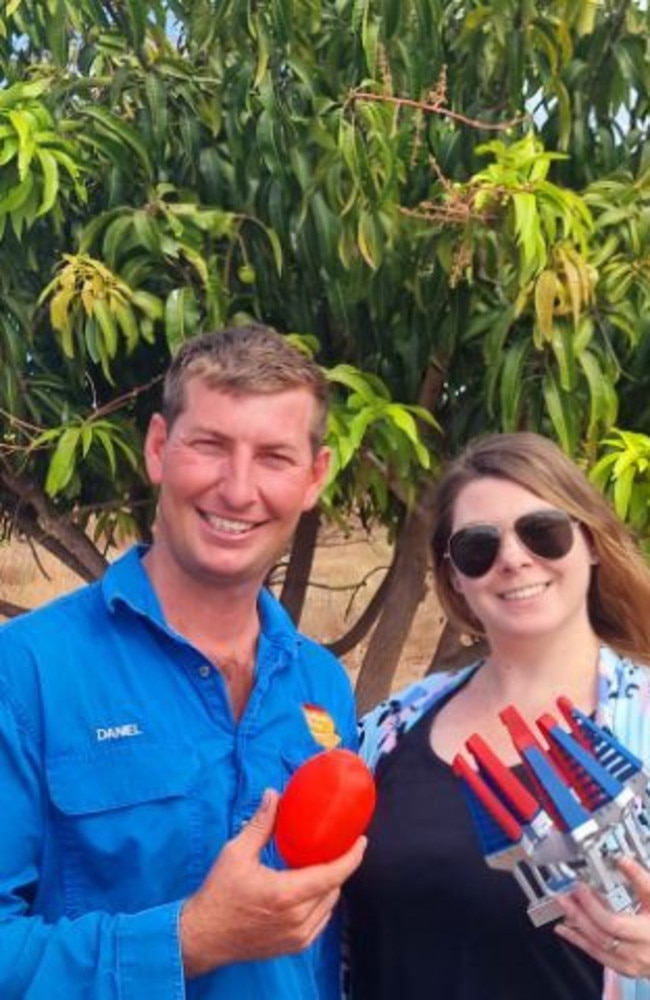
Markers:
(154, 448)
(319, 470)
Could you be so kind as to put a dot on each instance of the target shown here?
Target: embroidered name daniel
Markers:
(118, 732)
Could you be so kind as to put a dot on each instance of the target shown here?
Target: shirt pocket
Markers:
(126, 823)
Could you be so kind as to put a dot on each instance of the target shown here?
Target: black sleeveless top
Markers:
(428, 920)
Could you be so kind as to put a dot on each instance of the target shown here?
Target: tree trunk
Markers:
(294, 588)
(406, 590)
(35, 515)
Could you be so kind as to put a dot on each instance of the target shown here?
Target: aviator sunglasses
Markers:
(545, 533)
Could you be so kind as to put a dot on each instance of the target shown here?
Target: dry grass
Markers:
(346, 572)
(30, 576)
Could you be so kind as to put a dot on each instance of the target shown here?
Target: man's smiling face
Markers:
(235, 473)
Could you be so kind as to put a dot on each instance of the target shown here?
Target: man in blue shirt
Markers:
(148, 721)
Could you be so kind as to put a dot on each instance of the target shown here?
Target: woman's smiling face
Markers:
(521, 593)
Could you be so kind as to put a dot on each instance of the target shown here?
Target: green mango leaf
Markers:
(557, 411)
(125, 135)
(63, 462)
(106, 326)
(181, 317)
(50, 192)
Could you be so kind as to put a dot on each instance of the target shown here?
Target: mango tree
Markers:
(450, 199)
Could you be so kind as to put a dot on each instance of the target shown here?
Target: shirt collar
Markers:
(126, 583)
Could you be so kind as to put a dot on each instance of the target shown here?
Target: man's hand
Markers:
(245, 910)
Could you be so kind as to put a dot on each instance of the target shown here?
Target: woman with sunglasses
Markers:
(528, 555)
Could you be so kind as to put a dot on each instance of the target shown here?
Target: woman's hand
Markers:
(620, 941)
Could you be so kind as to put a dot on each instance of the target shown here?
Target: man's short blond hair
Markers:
(245, 360)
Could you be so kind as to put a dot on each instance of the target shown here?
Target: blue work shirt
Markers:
(122, 775)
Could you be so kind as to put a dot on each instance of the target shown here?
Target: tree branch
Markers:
(9, 610)
(437, 109)
(39, 519)
(365, 621)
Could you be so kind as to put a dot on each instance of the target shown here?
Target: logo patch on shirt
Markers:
(321, 726)
(118, 732)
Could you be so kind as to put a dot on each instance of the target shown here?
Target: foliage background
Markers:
(449, 202)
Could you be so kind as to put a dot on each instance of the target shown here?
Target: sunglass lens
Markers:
(548, 534)
(473, 550)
